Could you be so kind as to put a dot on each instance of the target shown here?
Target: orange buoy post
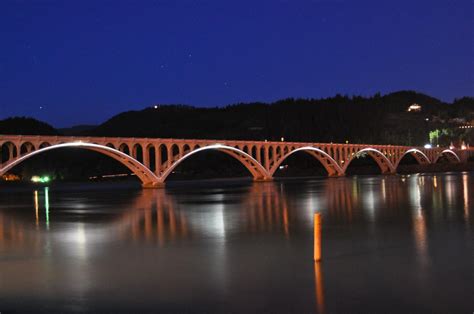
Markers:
(317, 237)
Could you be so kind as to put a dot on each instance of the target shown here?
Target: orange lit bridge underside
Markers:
(153, 159)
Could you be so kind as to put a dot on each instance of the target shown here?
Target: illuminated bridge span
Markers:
(153, 159)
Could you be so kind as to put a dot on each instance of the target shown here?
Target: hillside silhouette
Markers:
(377, 119)
(26, 126)
(356, 119)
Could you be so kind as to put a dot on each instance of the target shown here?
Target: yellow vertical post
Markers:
(317, 237)
(36, 207)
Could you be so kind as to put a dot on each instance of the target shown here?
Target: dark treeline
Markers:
(26, 126)
(377, 119)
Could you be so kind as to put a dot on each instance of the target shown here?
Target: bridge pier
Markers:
(153, 185)
(265, 179)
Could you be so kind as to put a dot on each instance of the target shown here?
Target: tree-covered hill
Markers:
(26, 126)
(376, 119)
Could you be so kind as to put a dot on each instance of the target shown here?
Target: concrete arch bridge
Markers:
(152, 160)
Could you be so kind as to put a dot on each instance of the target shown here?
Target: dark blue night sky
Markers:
(76, 62)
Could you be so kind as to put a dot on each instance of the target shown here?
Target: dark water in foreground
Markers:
(390, 244)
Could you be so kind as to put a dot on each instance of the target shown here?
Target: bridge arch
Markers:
(452, 156)
(324, 158)
(382, 161)
(147, 177)
(254, 167)
(420, 157)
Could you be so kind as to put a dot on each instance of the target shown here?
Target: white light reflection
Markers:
(415, 195)
(384, 190)
(368, 200)
(210, 221)
(313, 206)
(80, 240)
(217, 222)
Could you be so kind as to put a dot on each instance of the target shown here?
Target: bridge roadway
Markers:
(153, 159)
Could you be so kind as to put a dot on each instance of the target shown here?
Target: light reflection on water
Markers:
(244, 247)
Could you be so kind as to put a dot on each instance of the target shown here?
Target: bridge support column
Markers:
(463, 155)
(153, 185)
(266, 158)
(158, 160)
(265, 179)
(146, 157)
(259, 154)
(10, 152)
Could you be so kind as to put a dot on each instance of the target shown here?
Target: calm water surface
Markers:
(390, 244)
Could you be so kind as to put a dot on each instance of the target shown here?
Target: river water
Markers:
(389, 244)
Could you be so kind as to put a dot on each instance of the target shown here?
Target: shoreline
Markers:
(129, 182)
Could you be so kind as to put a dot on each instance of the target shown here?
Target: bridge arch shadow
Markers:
(146, 176)
(380, 159)
(448, 155)
(331, 166)
(413, 156)
(257, 171)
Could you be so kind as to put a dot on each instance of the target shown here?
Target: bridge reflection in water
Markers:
(164, 218)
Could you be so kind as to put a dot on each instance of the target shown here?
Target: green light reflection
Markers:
(46, 205)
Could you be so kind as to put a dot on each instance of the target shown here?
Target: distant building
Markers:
(414, 108)
(457, 120)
